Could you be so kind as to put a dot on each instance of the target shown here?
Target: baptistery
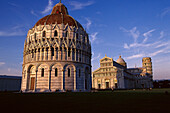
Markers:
(57, 55)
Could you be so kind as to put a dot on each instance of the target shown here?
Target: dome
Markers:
(121, 61)
(57, 55)
(59, 15)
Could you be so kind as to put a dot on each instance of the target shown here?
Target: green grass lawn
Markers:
(119, 101)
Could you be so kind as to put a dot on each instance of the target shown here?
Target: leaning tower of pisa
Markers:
(147, 63)
(57, 54)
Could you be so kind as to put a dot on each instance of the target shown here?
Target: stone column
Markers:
(37, 55)
(103, 83)
(59, 54)
(96, 84)
(75, 75)
(27, 81)
(71, 54)
(63, 53)
(49, 80)
(49, 53)
(35, 81)
(34, 55)
(40, 54)
(62, 80)
(45, 53)
(66, 53)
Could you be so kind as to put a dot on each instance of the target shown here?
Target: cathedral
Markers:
(115, 74)
(57, 55)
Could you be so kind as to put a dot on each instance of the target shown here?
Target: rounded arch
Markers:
(55, 64)
(55, 33)
(66, 65)
(69, 77)
(31, 73)
(38, 65)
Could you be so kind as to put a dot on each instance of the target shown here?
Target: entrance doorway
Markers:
(107, 85)
(115, 85)
(99, 86)
(32, 84)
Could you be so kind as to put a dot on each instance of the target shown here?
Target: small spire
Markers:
(120, 56)
(105, 55)
(60, 1)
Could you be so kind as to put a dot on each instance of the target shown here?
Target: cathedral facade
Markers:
(115, 74)
(57, 55)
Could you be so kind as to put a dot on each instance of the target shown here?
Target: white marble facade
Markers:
(57, 55)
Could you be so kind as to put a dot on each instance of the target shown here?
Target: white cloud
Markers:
(166, 11)
(88, 24)
(97, 57)
(2, 63)
(162, 44)
(157, 52)
(126, 46)
(12, 4)
(133, 32)
(78, 5)
(48, 7)
(136, 34)
(12, 33)
(135, 45)
(135, 56)
(93, 37)
(33, 13)
(147, 35)
(162, 34)
(17, 30)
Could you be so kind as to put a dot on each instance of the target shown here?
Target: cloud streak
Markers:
(12, 4)
(93, 37)
(135, 56)
(147, 35)
(97, 57)
(48, 7)
(142, 49)
(33, 13)
(13, 33)
(79, 5)
(165, 12)
(133, 32)
(88, 24)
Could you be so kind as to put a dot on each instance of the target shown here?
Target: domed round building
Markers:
(57, 55)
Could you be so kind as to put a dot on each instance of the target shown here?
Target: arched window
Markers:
(79, 72)
(35, 36)
(42, 72)
(44, 34)
(55, 33)
(56, 72)
(69, 72)
(77, 35)
(32, 54)
(66, 34)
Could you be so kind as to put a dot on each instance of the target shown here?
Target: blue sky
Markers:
(131, 28)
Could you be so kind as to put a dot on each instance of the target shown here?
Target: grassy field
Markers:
(120, 101)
